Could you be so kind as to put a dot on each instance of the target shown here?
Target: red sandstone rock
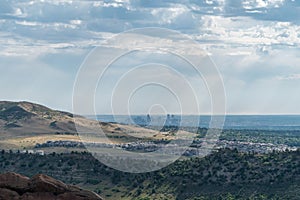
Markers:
(14, 181)
(41, 187)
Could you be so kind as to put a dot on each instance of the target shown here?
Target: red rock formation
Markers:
(41, 187)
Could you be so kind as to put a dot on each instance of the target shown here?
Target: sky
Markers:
(254, 44)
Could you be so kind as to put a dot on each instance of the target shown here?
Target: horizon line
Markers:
(206, 114)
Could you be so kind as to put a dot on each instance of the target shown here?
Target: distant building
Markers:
(30, 151)
(38, 152)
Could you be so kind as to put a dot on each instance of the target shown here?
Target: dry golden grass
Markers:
(30, 142)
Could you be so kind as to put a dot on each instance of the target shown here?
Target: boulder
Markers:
(15, 182)
(40, 187)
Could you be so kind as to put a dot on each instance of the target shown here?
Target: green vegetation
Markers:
(226, 174)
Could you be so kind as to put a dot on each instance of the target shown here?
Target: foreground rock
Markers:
(41, 187)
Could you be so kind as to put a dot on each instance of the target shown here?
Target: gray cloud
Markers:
(255, 43)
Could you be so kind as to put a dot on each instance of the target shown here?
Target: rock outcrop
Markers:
(40, 187)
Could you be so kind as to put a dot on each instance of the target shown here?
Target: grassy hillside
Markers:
(24, 124)
(226, 174)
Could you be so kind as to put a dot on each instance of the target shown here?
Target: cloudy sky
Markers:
(254, 43)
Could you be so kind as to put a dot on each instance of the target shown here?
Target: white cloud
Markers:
(28, 23)
(240, 32)
(169, 15)
(252, 4)
(289, 77)
(240, 53)
(19, 13)
(76, 22)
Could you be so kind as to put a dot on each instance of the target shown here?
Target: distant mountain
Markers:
(24, 124)
(41, 187)
(25, 117)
